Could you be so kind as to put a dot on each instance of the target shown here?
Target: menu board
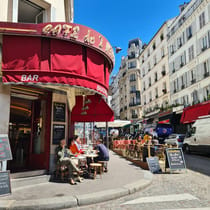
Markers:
(5, 185)
(5, 150)
(175, 158)
(153, 163)
(58, 133)
(59, 112)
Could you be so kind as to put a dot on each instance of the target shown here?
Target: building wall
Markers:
(129, 82)
(189, 69)
(55, 11)
(155, 73)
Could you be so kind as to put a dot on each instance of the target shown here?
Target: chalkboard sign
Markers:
(175, 158)
(58, 133)
(153, 163)
(5, 185)
(5, 151)
(59, 112)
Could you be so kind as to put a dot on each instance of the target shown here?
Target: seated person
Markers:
(64, 160)
(103, 153)
(75, 145)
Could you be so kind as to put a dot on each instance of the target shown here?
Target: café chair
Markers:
(96, 167)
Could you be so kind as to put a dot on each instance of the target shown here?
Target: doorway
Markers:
(27, 133)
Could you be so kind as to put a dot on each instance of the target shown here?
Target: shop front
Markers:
(45, 68)
(190, 114)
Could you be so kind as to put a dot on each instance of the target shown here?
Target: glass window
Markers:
(202, 20)
(191, 53)
(29, 12)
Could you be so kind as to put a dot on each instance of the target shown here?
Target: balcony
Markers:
(133, 91)
(163, 73)
(203, 48)
(193, 81)
(134, 116)
(206, 74)
(181, 64)
(134, 104)
(183, 86)
(164, 91)
(131, 56)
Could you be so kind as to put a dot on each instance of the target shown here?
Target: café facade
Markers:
(52, 75)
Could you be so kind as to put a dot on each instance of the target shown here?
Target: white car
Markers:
(175, 139)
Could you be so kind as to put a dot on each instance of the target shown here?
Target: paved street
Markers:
(185, 189)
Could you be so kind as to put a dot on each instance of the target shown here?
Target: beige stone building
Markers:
(155, 75)
(129, 83)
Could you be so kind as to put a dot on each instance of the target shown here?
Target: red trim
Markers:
(190, 114)
(70, 32)
(164, 121)
(91, 108)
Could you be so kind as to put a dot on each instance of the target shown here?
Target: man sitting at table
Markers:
(103, 153)
(64, 160)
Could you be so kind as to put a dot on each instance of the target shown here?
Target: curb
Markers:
(79, 200)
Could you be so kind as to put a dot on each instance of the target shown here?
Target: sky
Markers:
(123, 20)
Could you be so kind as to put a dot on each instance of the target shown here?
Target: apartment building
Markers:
(115, 96)
(155, 76)
(129, 82)
(189, 59)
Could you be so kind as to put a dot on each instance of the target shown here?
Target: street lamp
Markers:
(117, 49)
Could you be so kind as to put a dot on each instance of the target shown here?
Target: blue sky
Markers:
(121, 20)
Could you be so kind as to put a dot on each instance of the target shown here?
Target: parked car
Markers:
(175, 139)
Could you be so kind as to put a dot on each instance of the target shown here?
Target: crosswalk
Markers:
(162, 198)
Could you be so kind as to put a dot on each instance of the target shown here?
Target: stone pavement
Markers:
(123, 178)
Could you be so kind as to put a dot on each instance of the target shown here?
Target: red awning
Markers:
(191, 114)
(91, 108)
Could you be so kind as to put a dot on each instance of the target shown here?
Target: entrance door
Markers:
(20, 133)
(29, 133)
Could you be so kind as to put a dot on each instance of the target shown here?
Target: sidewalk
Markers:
(123, 178)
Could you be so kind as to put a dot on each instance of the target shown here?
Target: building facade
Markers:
(189, 60)
(53, 73)
(155, 76)
(129, 83)
(115, 96)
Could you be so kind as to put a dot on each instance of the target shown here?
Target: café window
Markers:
(28, 12)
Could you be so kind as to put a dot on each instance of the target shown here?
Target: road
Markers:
(189, 189)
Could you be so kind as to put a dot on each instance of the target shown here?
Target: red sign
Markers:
(66, 31)
(56, 53)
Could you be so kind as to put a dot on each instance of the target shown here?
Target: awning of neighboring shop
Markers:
(91, 108)
(48, 53)
(167, 121)
(190, 114)
(114, 124)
